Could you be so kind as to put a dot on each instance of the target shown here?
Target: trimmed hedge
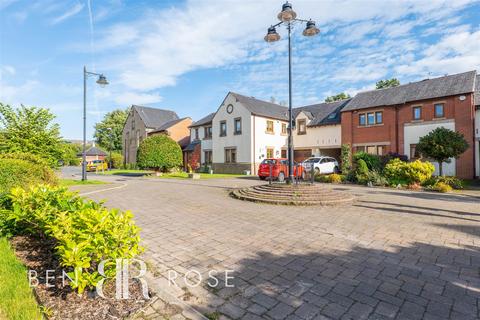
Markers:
(23, 170)
(159, 153)
(408, 173)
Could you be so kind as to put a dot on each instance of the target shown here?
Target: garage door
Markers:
(300, 155)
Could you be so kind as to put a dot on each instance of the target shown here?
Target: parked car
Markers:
(279, 169)
(96, 165)
(321, 165)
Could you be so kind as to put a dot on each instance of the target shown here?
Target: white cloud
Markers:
(69, 13)
(128, 98)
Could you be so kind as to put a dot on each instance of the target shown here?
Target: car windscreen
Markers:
(268, 161)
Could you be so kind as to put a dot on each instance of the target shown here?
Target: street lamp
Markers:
(288, 17)
(102, 81)
(111, 147)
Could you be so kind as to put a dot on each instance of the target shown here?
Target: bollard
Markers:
(270, 173)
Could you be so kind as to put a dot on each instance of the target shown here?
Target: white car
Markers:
(321, 165)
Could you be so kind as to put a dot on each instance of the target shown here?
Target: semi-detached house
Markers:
(246, 130)
(394, 119)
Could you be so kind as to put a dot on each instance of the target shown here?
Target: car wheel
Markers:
(262, 178)
(317, 171)
(336, 170)
(281, 177)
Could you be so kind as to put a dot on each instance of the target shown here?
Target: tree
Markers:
(442, 144)
(30, 130)
(160, 153)
(340, 96)
(387, 83)
(108, 132)
(70, 153)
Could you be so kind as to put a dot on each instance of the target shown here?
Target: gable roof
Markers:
(323, 113)
(426, 89)
(153, 117)
(203, 121)
(477, 90)
(94, 151)
(262, 108)
(169, 124)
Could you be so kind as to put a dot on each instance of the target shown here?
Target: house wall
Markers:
(477, 142)
(263, 140)
(180, 132)
(132, 136)
(392, 133)
(206, 144)
(242, 142)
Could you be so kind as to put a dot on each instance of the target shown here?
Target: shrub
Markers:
(376, 178)
(372, 161)
(116, 160)
(16, 170)
(85, 232)
(159, 153)
(345, 156)
(440, 187)
(335, 178)
(407, 173)
(361, 172)
(390, 156)
(453, 182)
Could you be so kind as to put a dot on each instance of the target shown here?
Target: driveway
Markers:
(390, 255)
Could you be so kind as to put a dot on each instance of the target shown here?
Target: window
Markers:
(379, 117)
(413, 152)
(270, 152)
(137, 136)
(230, 155)
(361, 119)
(417, 113)
(302, 126)
(196, 134)
(223, 128)
(284, 128)
(360, 149)
(208, 132)
(270, 126)
(370, 118)
(208, 156)
(237, 126)
(439, 112)
(371, 150)
(380, 150)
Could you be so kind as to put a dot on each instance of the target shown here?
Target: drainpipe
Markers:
(254, 149)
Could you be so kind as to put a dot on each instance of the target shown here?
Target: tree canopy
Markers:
(387, 83)
(30, 130)
(160, 153)
(340, 96)
(108, 132)
(442, 144)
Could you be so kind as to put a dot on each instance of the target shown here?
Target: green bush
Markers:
(345, 157)
(453, 182)
(440, 187)
(407, 173)
(375, 178)
(361, 171)
(23, 170)
(373, 161)
(330, 178)
(116, 160)
(85, 232)
(159, 153)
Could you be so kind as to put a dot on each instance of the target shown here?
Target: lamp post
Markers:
(288, 17)
(102, 81)
(111, 147)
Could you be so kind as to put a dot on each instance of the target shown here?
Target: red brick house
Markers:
(393, 119)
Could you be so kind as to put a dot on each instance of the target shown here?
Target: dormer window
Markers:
(302, 126)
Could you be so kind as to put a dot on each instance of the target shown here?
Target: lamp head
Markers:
(102, 81)
(272, 35)
(287, 13)
(311, 29)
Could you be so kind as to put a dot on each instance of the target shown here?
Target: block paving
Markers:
(392, 254)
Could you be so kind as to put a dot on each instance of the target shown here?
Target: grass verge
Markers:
(73, 182)
(126, 172)
(184, 175)
(16, 297)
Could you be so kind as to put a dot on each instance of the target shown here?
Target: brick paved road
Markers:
(390, 255)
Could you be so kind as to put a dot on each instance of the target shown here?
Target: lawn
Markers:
(16, 297)
(125, 172)
(184, 175)
(73, 182)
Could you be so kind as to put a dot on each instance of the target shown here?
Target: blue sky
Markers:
(186, 55)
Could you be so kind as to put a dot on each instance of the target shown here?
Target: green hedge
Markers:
(85, 232)
(23, 170)
(408, 173)
(160, 153)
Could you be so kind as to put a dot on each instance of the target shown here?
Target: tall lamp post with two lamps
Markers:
(102, 81)
(288, 17)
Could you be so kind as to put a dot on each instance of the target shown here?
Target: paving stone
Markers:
(307, 311)
(280, 311)
(264, 300)
(231, 310)
(334, 310)
(386, 309)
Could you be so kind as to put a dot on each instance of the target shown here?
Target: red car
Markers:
(279, 169)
